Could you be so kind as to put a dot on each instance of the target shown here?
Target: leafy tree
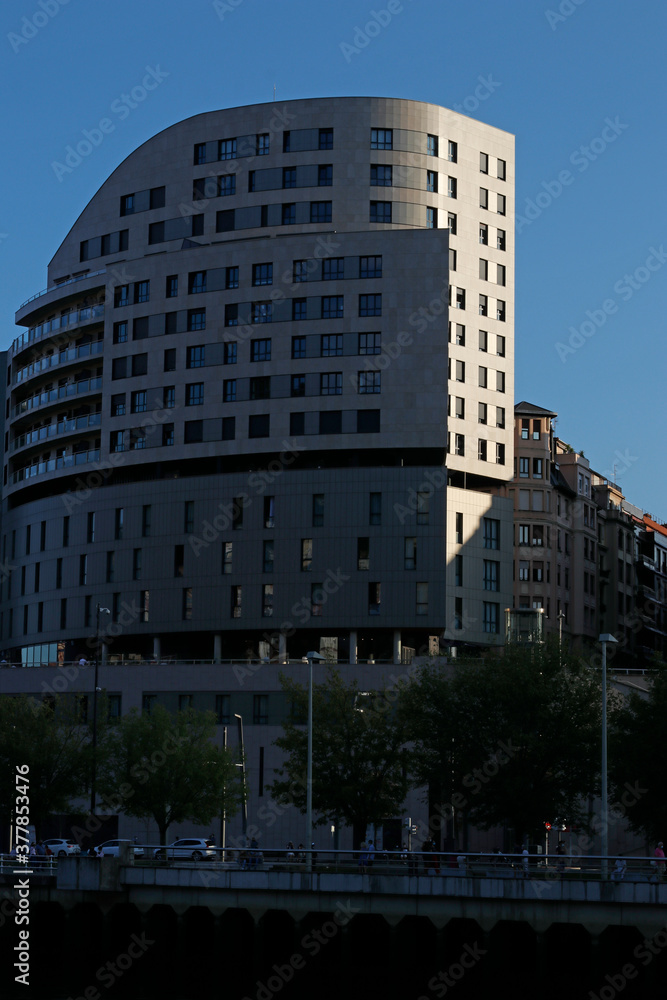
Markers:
(164, 766)
(513, 739)
(50, 738)
(358, 755)
(638, 781)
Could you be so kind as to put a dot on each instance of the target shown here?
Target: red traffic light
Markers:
(547, 825)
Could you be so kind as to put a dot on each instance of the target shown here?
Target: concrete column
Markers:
(353, 647)
(157, 651)
(397, 646)
(282, 648)
(217, 647)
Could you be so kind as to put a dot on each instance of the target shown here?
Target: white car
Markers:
(194, 848)
(61, 848)
(111, 848)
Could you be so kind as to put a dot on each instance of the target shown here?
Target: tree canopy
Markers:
(359, 755)
(638, 782)
(165, 767)
(50, 738)
(510, 740)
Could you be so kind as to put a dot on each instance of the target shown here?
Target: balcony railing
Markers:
(61, 284)
(36, 333)
(61, 358)
(52, 430)
(52, 395)
(53, 464)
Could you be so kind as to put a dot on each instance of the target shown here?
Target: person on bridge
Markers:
(660, 860)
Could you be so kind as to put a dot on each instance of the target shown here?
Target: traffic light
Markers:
(547, 825)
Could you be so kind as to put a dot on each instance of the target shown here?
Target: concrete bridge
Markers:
(294, 927)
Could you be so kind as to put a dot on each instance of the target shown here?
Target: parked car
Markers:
(61, 848)
(190, 847)
(112, 848)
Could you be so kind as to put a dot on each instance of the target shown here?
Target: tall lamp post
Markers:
(244, 815)
(309, 770)
(604, 639)
(99, 610)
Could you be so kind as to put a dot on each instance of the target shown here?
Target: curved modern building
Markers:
(265, 401)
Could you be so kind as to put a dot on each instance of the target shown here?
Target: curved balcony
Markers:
(53, 395)
(53, 430)
(90, 314)
(53, 465)
(61, 358)
(61, 284)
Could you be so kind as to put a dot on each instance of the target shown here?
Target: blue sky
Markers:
(579, 82)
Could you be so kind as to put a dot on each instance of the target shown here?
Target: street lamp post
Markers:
(604, 639)
(309, 770)
(99, 610)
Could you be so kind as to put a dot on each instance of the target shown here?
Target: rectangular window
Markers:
(491, 574)
(320, 211)
(451, 187)
(500, 274)
(227, 553)
(325, 175)
(380, 175)
(502, 203)
(380, 211)
(421, 598)
(382, 138)
(483, 307)
(333, 268)
(363, 553)
(170, 359)
(432, 223)
(483, 198)
(423, 507)
(111, 566)
(331, 383)
(260, 388)
(483, 269)
(267, 556)
(481, 450)
(374, 598)
(483, 163)
(500, 234)
(186, 609)
(375, 508)
(326, 136)
(502, 169)
(262, 312)
(260, 707)
(332, 307)
(229, 390)
(260, 350)
(188, 517)
(288, 217)
(306, 555)
(262, 274)
(196, 282)
(370, 267)
(179, 555)
(299, 309)
(196, 319)
(432, 181)
(318, 510)
(262, 145)
(432, 145)
(83, 570)
(267, 603)
(298, 347)
(369, 343)
(298, 385)
(194, 394)
(370, 305)
(120, 332)
(119, 522)
(491, 617)
(458, 571)
(410, 553)
(500, 381)
(331, 345)
(227, 149)
(369, 382)
(451, 222)
(138, 401)
(491, 533)
(259, 425)
(231, 277)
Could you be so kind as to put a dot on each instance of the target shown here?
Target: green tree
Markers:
(638, 781)
(165, 767)
(50, 738)
(359, 755)
(510, 740)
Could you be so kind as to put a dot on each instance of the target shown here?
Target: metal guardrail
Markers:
(61, 284)
(389, 863)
